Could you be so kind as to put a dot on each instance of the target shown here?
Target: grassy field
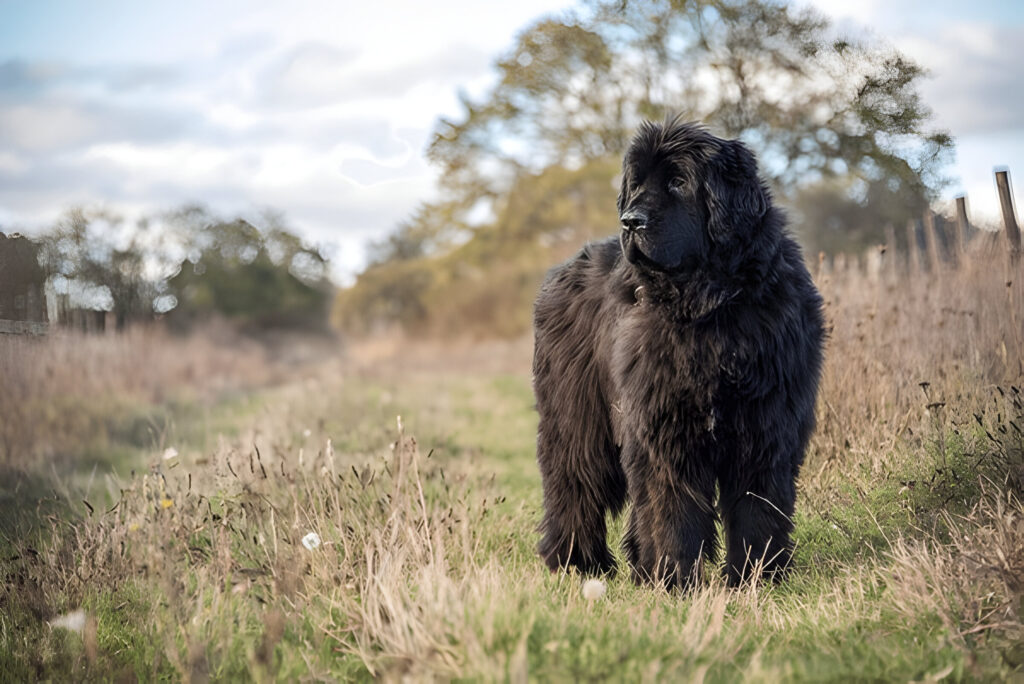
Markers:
(415, 469)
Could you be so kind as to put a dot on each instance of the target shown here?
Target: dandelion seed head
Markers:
(74, 621)
(593, 589)
(311, 540)
(169, 453)
(307, 432)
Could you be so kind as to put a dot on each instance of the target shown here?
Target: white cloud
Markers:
(45, 127)
(975, 75)
(11, 163)
(232, 117)
(311, 73)
(141, 164)
(861, 12)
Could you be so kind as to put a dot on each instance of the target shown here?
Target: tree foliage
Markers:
(194, 266)
(94, 256)
(264, 277)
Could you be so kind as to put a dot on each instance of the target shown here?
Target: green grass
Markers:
(446, 585)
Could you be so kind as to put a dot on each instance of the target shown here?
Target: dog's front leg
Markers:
(671, 532)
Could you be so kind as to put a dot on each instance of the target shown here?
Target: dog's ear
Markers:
(736, 198)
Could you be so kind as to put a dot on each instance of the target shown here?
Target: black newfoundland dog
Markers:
(682, 354)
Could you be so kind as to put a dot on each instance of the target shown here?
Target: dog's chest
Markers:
(666, 378)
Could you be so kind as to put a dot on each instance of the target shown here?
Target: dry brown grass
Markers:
(910, 354)
(58, 390)
(910, 528)
(974, 580)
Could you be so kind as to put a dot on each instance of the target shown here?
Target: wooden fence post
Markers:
(963, 228)
(931, 241)
(1009, 219)
(913, 249)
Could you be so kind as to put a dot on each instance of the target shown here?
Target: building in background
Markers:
(22, 283)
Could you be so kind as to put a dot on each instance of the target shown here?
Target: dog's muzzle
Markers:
(633, 220)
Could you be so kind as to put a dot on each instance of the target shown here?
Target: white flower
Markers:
(311, 540)
(75, 621)
(593, 589)
(169, 453)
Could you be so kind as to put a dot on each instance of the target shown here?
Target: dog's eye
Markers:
(678, 184)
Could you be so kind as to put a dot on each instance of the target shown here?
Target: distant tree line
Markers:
(194, 266)
(527, 171)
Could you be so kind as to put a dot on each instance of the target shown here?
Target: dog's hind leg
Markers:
(579, 465)
(576, 450)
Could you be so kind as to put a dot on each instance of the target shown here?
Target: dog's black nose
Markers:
(633, 219)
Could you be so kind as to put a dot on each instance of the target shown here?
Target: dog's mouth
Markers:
(672, 257)
(633, 251)
(631, 247)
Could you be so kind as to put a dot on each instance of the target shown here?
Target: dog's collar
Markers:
(696, 299)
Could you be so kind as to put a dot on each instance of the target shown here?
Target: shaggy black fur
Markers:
(681, 355)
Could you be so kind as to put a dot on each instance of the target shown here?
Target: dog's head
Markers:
(686, 194)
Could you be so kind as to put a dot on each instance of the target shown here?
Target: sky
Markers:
(323, 110)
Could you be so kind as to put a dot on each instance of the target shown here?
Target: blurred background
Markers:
(237, 239)
(402, 167)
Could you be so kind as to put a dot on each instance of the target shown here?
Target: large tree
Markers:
(821, 110)
(812, 103)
